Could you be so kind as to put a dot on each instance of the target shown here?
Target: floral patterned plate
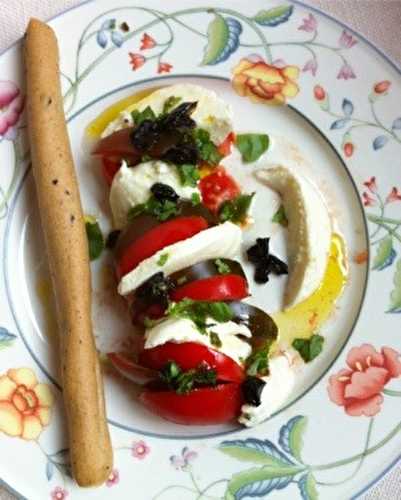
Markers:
(339, 107)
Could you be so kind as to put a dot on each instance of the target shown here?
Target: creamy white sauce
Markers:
(218, 241)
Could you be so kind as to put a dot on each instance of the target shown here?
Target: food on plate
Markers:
(67, 249)
(308, 219)
(207, 354)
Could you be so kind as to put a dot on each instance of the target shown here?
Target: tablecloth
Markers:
(378, 20)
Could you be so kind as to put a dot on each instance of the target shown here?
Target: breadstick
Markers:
(67, 248)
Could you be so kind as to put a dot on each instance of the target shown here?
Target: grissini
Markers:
(67, 248)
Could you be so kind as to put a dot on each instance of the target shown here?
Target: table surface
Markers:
(378, 20)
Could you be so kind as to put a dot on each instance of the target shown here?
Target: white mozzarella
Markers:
(211, 113)
(131, 186)
(223, 240)
(309, 231)
(180, 330)
(279, 385)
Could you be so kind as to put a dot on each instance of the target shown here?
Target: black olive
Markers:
(180, 117)
(252, 388)
(259, 251)
(156, 289)
(112, 239)
(145, 135)
(277, 265)
(182, 154)
(261, 273)
(164, 192)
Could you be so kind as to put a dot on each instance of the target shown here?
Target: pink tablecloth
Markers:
(378, 20)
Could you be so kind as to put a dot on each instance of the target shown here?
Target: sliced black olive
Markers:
(164, 192)
(258, 321)
(112, 239)
(265, 263)
(206, 269)
(180, 117)
(145, 135)
(156, 289)
(252, 388)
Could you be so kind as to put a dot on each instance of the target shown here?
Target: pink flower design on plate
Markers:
(311, 66)
(140, 449)
(164, 67)
(368, 200)
(346, 72)
(113, 479)
(394, 195)
(58, 493)
(183, 461)
(371, 184)
(11, 106)
(136, 60)
(309, 24)
(346, 40)
(147, 42)
(358, 388)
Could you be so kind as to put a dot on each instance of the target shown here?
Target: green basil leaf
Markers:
(141, 116)
(95, 238)
(222, 267)
(280, 217)
(252, 146)
(207, 149)
(309, 348)
(236, 210)
(163, 259)
(195, 199)
(170, 103)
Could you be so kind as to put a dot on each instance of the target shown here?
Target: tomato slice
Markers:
(130, 370)
(156, 239)
(217, 187)
(203, 406)
(225, 147)
(223, 287)
(189, 355)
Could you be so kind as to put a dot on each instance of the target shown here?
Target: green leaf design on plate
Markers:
(307, 486)
(6, 338)
(395, 296)
(384, 255)
(291, 436)
(252, 455)
(217, 36)
(275, 16)
(266, 479)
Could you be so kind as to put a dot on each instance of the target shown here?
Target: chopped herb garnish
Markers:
(95, 237)
(195, 199)
(163, 259)
(280, 217)
(112, 239)
(140, 116)
(170, 103)
(200, 311)
(189, 175)
(265, 263)
(161, 209)
(222, 267)
(149, 323)
(258, 362)
(183, 382)
(310, 348)
(215, 339)
(236, 210)
(207, 149)
(252, 146)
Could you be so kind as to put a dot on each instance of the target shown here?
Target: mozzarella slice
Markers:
(211, 114)
(279, 385)
(131, 186)
(309, 231)
(180, 330)
(223, 240)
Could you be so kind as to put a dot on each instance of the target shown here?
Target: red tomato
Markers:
(117, 144)
(204, 406)
(221, 287)
(130, 370)
(190, 355)
(156, 239)
(218, 187)
(225, 147)
(110, 166)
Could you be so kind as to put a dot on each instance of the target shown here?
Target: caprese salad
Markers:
(207, 356)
